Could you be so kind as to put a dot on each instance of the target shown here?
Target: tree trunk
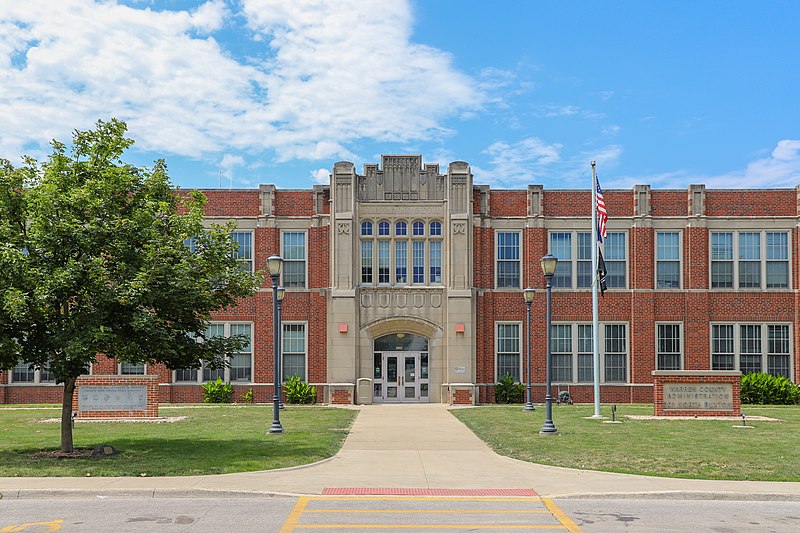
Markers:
(66, 415)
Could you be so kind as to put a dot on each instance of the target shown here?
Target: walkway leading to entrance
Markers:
(421, 447)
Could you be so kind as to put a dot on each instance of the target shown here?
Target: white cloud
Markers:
(335, 73)
(780, 169)
(533, 160)
(321, 175)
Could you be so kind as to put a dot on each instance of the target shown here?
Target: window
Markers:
(128, 369)
(742, 347)
(561, 348)
(777, 260)
(574, 253)
(614, 256)
(668, 347)
(561, 248)
(668, 260)
(293, 348)
(240, 364)
(366, 261)
(385, 257)
(294, 259)
(436, 261)
(508, 354)
(418, 259)
(616, 355)
(244, 249)
(750, 260)
(573, 353)
(508, 262)
(383, 261)
(26, 373)
(400, 268)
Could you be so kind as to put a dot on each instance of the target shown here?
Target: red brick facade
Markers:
(640, 306)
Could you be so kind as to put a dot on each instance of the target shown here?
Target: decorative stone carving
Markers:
(343, 228)
(459, 228)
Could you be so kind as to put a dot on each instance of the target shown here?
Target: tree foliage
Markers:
(93, 261)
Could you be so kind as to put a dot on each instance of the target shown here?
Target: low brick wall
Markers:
(461, 393)
(697, 393)
(341, 393)
(107, 390)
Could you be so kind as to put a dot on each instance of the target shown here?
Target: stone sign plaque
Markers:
(698, 396)
(461, 370)
(112, 398)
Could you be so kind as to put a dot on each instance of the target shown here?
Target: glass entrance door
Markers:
(401, 377)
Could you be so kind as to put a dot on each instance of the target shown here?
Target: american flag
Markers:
(602, 215)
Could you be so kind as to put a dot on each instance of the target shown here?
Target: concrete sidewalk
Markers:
(405, 446)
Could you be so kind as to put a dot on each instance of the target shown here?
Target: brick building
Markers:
(405, 285)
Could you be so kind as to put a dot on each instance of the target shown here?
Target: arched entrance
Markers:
(401, 366)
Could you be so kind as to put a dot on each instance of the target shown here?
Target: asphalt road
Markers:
(333, 515)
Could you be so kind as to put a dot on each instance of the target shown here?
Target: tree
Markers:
(93, 261)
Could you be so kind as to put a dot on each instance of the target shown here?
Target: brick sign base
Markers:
(116, 397)
(697, 393)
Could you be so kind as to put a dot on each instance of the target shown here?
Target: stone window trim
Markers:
(580, 349)
(225, 373)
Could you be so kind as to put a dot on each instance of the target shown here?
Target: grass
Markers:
(211, 440)
(699, 449)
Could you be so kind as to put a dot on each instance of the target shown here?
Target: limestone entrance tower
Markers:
(401, 310)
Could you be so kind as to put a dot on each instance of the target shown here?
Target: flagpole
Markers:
(595, 312)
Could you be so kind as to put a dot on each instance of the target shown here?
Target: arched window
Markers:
(366, 228)
(436, 229)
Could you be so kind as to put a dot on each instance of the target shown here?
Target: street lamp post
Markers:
(548, 263)
(275, 264)
(528, 293)
(281, 293)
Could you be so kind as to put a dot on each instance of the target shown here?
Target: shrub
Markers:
(247, 397)
(765, 389)
(217, 392)
(298, 391)
(507, 391)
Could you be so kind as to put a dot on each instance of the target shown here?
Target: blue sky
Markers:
(275, 91)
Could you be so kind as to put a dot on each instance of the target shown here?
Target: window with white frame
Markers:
(26, 373)
(508, 259)
(616, 354)
(239, 365)
(749, 260)
(573, 249)
(295, 356)
(668, 347)
(244, 249)
(668, 260)
(131, 369)
(294, 259)
(508, 349)
(401, 252)
(573, 353)
(750, 348)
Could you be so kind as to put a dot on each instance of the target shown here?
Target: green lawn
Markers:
(703, 449)
(212, 440)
